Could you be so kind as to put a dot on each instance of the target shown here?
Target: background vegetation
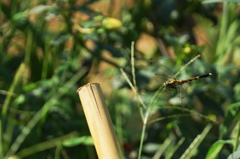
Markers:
(50, 48)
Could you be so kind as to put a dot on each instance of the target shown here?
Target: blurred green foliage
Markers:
(49, 49)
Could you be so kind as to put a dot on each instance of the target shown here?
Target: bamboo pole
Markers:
(99, 122)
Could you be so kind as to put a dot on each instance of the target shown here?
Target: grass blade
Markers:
(26, 130)
(194, 145)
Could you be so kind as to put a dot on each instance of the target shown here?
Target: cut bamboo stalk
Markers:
(99, 122)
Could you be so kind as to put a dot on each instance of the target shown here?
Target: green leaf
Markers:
(234, 105)
(85, 140)
(59, 40)
(216, 147)
(217, 1)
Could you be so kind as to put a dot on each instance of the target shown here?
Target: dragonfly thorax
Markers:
(172, 84)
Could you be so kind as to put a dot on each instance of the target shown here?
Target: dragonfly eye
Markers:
(165, 84)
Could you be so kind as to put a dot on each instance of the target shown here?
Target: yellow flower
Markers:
(112, 24)
(187, 50)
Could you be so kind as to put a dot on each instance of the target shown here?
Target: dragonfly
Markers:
(177, 84)
(174, 83)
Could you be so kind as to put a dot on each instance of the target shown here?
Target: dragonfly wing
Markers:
(182, 95)
(164, 71)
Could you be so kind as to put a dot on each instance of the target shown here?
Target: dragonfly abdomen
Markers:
(175, 83)
(195, 78)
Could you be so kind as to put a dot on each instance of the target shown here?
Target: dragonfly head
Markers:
(165, 84)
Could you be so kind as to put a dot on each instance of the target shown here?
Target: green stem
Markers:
(221, 48)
